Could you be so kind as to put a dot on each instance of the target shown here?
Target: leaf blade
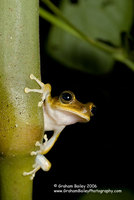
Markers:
(99, 21)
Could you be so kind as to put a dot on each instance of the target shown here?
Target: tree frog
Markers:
(58, 113)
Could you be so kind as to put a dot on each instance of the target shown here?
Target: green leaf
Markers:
(98, 19)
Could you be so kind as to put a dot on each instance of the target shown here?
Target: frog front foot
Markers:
(45, 89)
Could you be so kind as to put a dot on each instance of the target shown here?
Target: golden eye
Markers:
(67, 97)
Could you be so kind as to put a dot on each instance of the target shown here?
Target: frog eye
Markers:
(67, 97)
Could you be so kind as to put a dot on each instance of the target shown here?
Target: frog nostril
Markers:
(93, 110)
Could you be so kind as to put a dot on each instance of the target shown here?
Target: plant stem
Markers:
(124, 60)
(13, 185)
(21, 121)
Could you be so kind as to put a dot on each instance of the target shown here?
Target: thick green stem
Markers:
(21, 120)
(12, 184)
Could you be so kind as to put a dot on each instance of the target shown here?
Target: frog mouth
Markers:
(82, 117)
(75, 116)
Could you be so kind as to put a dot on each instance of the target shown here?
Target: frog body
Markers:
(58, 113)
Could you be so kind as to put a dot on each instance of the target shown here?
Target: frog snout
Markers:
(93, 110)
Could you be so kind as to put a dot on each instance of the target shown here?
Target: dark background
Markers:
(101, 151)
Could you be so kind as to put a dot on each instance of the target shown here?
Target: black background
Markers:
(101, 151)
